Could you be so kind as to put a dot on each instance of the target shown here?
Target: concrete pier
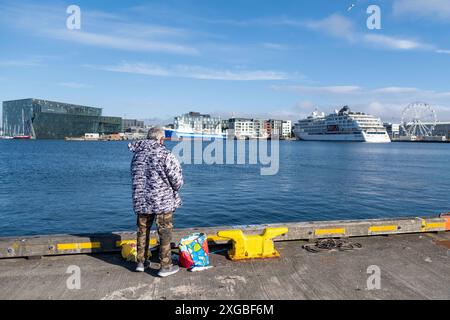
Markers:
(48, 245)
(412, 266)
(412, 256)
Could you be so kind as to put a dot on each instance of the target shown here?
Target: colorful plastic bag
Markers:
(194, 251)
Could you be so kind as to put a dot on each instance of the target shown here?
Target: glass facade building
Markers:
(44, 119)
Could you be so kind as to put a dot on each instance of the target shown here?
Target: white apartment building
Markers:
(286, 128)
(241, 128)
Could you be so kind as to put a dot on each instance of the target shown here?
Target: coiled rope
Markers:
(331, 244)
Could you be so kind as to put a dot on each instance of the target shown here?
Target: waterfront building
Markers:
(133, 129)
(194, 124)
(259, 126)
(442, 129)
(224, 125)
(276, 127)
(241, 128)
(129, 125)
(393, 129)
(286, 129)
(267, 127)
(43, 119)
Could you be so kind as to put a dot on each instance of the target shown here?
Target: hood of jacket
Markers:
(141, 145)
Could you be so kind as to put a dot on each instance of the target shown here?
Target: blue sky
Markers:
(281, 59)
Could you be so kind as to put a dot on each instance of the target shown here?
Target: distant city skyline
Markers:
(253, 59)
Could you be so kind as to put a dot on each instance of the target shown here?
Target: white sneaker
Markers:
(140, 267)
(165, 272)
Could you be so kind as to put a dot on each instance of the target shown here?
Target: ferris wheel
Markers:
(418, 119)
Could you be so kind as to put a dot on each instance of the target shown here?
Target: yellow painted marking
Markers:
(433, 225)
(80, 245)
(122, 242)
(320, 232)
(383, 228)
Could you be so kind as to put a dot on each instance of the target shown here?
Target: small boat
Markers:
(22, 137)
(5, 138)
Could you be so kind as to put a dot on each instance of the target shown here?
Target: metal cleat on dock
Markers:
(252, 246)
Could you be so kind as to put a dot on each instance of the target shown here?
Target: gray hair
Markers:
(155, 133)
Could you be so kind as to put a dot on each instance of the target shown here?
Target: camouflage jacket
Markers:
(156, 178)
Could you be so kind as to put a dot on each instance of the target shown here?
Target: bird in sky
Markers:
(351, 7)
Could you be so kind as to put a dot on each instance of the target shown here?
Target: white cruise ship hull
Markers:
(376, 138)
(363, 137)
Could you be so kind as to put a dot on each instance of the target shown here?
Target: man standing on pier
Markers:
(156, 179)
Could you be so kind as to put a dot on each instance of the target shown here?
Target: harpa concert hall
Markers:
(42, 119)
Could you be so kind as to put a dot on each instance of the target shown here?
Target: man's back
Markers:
(156, 178)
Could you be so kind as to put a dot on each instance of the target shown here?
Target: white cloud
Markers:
(387, 111)
(120, 42)
(320, 90)
(432, 9)
(393, 42)
(74, 85)
(443, 51)
(353, 90)
(288, 114)
(335, 25)
(99, 29)
(195, 72)
(342, 27)
(141, 30)
(385, 102)
(392, 112)
(274, 46)
(25, 62)
(394, 90)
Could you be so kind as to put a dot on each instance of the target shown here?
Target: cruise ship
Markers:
(342, 125)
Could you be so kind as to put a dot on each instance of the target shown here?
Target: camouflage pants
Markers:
(164, 223)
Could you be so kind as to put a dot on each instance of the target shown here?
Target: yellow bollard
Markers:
(252, 246)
